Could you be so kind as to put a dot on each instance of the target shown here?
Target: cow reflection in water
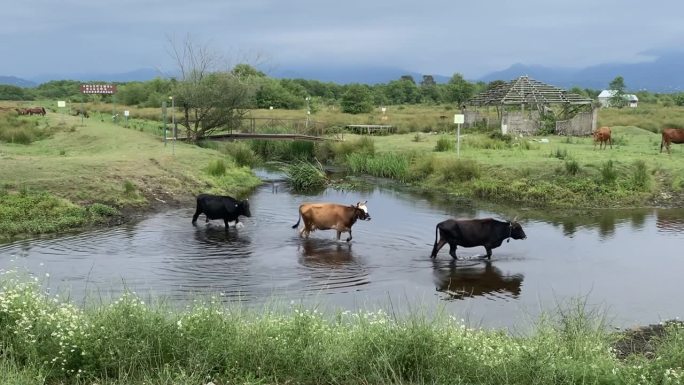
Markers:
(479, 279)
(320, 253)
(219, 237)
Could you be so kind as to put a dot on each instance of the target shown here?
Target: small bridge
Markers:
(276, 129)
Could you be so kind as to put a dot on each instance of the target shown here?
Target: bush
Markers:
(458, 170)
(640, 176)
(217, 167)
(306, 177)
(102, 210)
(241, 153)
(608, 172)
(445, 143)
(572, 167)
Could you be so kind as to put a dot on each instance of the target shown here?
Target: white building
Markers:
(605, 96)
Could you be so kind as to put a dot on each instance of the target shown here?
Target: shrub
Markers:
(129, 187)
(445, 143)
(608, 172)
(640, 176)
(217, 167)
(102, 210)
(241, 153)
(458, 170)
(559, 153)
(572, 167)
(306, 177)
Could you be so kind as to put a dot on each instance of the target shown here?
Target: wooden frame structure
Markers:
(527, 91)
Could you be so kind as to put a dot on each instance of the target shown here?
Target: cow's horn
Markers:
(515, 219)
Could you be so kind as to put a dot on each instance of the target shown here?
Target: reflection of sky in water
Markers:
(623, 259)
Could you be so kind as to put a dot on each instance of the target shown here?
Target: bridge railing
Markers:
(253, 125)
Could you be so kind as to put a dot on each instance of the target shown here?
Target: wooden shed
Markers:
(523, 104)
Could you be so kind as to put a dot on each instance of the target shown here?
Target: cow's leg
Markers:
(452, 250)
(437, 247)
(350, 236)
(197, 214)
(489, 252)
(227, 223)
(339, 233)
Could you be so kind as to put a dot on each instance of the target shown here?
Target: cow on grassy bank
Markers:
(327, 216)
(671, 135)
(488, 232)
(602, 137)
(221, 207)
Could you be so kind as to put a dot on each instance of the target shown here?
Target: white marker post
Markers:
(458, 120)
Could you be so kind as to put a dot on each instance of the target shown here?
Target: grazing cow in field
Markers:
(671, 135)
(326, 216)
(602, 136)
(488, 232)
(221, 207)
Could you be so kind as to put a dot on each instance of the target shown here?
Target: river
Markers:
(626, 262)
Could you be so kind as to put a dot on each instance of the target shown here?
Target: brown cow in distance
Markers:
(671, 135)
(327, 216)
(602, 136)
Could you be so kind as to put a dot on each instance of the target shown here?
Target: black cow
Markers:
(221, 207)
(487, 232)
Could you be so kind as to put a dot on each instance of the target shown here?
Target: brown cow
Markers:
(602, 136)
(326, 216)
(671, 135)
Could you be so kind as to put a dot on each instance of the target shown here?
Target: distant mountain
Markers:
(15, 81)
(142, 74)
(349, 74)
(661, 75)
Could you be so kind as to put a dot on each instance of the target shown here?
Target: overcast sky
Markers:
(472, 37)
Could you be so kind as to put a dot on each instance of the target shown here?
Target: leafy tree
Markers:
(10, 92)
(458, 90)
(402, 92)
(208, 99)
(429, 90)
(357, 99)
(679, 99)
(618, 87)
(408, 78)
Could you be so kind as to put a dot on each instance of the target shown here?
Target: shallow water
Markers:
(627, 262)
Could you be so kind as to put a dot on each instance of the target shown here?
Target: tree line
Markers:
(292, 93)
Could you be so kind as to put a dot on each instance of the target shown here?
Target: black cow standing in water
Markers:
(488, 232)
(221, 207)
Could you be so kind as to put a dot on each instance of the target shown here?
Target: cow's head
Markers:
(362, 211)
(243, 208)
(516, 231)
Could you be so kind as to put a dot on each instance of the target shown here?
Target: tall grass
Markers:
(276, 150)
(20, 131)
(306, 177)
(640, 176)
(131, 341)
(386, 165)
(217, 167)
(445, 143)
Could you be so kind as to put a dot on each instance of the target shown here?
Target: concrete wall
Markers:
(520, 122)
(582, 124)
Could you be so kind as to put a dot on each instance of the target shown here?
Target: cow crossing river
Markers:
(627, 261)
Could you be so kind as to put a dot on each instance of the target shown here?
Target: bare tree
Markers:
(209, 95)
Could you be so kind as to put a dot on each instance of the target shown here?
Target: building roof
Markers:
(525, 90)
(611, 93)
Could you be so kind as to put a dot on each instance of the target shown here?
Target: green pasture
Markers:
(101, 162)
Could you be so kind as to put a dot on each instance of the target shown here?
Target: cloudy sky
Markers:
(472, 37)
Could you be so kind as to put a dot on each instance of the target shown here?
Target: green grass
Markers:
(130, 341)
(561, 173)
(33, 213)
(306, 177)
(100, 162)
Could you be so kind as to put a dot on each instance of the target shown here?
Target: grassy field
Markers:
(76, 166)
(49, 340)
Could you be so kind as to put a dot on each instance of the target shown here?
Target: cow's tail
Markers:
(662, 141)
(299, 219)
